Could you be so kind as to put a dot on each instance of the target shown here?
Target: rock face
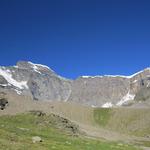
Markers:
(35, 80)
(107, 91)
(42, 83)
(97, 91)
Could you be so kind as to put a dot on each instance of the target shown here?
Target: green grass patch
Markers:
(126, 121)
(16, 133)
(102, 115)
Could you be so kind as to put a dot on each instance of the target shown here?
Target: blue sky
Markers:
(77, 37)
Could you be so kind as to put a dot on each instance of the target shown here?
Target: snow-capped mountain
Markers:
(42, 83)
(35, 80)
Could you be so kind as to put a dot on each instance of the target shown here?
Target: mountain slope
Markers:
(37, 81)
(41, 83)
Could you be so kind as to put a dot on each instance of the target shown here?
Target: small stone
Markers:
(67, 142)
(36, 139)
(24, 129)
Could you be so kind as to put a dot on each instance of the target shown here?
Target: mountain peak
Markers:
(33, 66)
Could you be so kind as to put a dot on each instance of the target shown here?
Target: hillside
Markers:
(17, 133)
(126, 120)
(130, 125)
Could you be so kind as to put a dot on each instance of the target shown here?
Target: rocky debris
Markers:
(63, 123)
(37, 113)
(36, 139)
(3, 103)
(56, 121)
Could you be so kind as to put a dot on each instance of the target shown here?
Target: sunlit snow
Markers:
(127, 97)
(8, 76)
(107, 105)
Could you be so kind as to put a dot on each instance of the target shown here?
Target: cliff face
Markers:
(110, 90)
(42, 83)
(35, 80)
(97, 91)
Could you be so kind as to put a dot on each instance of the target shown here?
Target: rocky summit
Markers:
(42, 84)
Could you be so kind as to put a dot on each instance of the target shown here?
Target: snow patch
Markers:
(8, 76)
(107, 105)
(93, 106)
(62, 78)
(92, 76)
(18, 92)
(134, 81)
(44, 66)
(40, 65)
(134, 74)
(114, 76)
(138, 73)
(16, 67)
(85, 76)
(4, 85)
(127, 97)
(8, 71)
(148, 84)
(36, 67)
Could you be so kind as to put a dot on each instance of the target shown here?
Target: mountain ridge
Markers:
(42, 83)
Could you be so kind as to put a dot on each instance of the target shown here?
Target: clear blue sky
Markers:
(77, 37)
